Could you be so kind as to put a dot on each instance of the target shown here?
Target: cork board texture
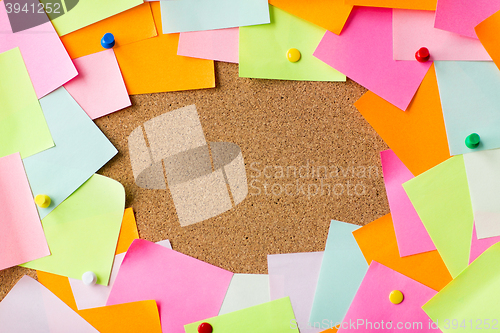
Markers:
(309, 157)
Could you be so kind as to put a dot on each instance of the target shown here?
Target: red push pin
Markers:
(422, 55)
(205, 328)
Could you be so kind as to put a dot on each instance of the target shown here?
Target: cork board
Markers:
(309, 155)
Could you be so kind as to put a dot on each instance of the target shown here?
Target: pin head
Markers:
(108, 40)
(293, 55)
(89, 278)
(396, 297)
(422, 55)
(42, 200)
(472, 141)
(205, 328)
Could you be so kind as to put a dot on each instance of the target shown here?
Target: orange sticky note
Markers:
(402, 4)
(377, 241)
(487, 32)
(129, 26)
(328, 14)
(330, 330)
(128, 231)
(417, 135)
(152, 65)
(127, 317)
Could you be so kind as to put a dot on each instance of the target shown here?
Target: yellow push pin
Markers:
(293, 55)
(42, 200)
(396, 297)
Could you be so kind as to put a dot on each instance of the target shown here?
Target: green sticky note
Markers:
(22, 124)
(82, 232)
(442, 200)
(271, 317)
(263, 50)
(470, 302)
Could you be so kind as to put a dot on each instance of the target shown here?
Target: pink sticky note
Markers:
(478, 246)
(46, 59)
(413, 29)
(411, 234)
(99, 88)
(363, 52)
(21, 233)
(371, 310)
(185, 289)
(461, 16)
(220, 45)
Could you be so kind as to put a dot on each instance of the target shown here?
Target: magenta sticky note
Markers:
(21, 233)
(46, 59)
(99, 88)
(412, 237)
(371, 310)
(185, 289)
(461, 16)
(478, 246)
(220, 45)
(363, 52)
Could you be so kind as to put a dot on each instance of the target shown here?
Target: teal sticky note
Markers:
(342, 271)
(197, 15)
(470, 99)
(80, 150)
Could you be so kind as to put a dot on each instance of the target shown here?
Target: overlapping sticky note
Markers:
(245, 290)
(185, 289)
(47, 62)
(263, 50)
(198, 15)
(403, 4)
(410, 232)
(296, 275)
(82, 232)
(462, 16)
(342, 270)
(127, 27)
(413, 29)
(470, 302)
(328, 14)
(90, 11)
(377, 241)
(363, 52)
(21, 234)
(99, 88)
(30, 307)
(152, 65)
(441, 198)
(487, 31)
(220, 45)
(371, 309)
(271, 317)
(478, 246)
(407, 133)
(22, 125)
(466, 86)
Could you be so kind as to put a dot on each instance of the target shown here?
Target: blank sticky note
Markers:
(220, 45)
(245, 290)
(21, 234)
(403, 4)
(363, 52)
(99, 88)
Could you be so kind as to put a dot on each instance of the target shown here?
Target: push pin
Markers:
(422, 55)
(108, 40)
(42, 200)
(89, 278)
(293, 55)
(396, 297)
(472, 141)
(205, 328)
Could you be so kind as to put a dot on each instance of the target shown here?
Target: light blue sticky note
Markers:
(245, 290)
(342, 271)
(80, 150)
(470, 98)
(197, 15)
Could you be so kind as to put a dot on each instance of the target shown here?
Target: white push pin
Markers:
(89, 278)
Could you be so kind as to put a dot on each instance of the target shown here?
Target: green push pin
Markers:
(472, 141)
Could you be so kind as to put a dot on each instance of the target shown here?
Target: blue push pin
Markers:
(108, 40)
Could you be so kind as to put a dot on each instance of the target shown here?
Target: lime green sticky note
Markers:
(470, 302)
(22, 124)
(271, 317)
(82, 232)
(442, 200)
(264, 48)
